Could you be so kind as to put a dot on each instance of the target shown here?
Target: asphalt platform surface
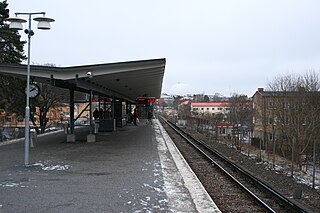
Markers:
(132, 169)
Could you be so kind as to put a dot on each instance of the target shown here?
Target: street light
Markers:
(43, 24)
(273, 145)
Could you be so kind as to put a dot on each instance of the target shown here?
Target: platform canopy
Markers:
(125, 80)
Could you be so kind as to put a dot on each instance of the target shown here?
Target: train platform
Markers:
(133, 169)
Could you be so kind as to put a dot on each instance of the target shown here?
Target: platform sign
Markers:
(146, 99)
(101, 100)
(140, 99)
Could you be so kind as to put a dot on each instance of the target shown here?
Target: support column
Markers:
(91, 120)
(112, 114)
(91, 137)
(105, 104)
(71, 137)
(71, 111)
(99, 102)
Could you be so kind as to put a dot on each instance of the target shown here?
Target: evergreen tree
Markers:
(11, 51)
(10, 44)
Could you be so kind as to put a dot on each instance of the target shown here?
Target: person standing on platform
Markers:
(101, 114)
(96, 114)
(135, 116)
(150, 115)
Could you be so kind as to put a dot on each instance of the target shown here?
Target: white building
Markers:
(211, 107)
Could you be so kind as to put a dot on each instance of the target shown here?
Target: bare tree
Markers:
(184, 110)
(49, 98)
(240, 110)
(295, 114)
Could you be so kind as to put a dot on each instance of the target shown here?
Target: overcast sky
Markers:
(211, 46)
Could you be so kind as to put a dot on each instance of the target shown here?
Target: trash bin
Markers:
(33, 139)
(107, 125)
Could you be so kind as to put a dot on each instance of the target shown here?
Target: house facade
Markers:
(262, 102)
(280, 116)
(224, 129)
(269, 109)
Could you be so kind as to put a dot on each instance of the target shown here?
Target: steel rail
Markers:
(212, 161)
(287, 201)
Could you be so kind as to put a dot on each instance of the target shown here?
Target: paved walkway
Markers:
(134, 169)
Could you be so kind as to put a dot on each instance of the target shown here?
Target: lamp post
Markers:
(314, 165)
(273, 145)
(43, 24)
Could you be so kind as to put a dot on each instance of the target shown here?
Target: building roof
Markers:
(268, 93)
(184, 102)
(125, 80)
(210, 104)
(264, 93)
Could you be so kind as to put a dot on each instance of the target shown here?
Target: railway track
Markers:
(233, 188)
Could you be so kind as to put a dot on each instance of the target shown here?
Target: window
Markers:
(304, 121)
(201, 108)
(270, 121)
(194, 109)
(270, 104)
(7, 119)
(270, 137)
(212, 108)
(287, 121)
(227, 109)
(286, 105)
(219, 108)
(222, 131)
(295, 121)
(207, 108)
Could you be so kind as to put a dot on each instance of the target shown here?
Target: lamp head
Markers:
(16, 23)
(44, 23)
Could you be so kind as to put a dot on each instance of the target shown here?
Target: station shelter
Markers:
(116, 88)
